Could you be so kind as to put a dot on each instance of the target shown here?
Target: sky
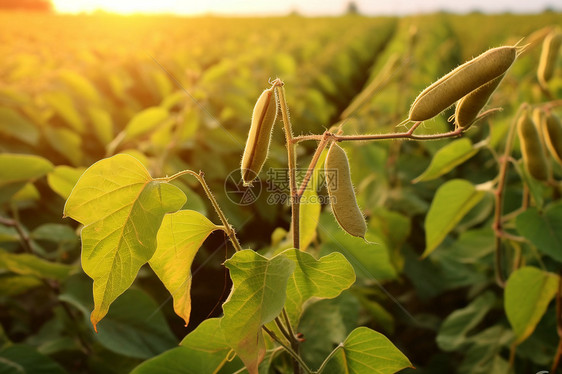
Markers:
(309, 7)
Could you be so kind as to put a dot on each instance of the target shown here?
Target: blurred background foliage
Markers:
(178, 93)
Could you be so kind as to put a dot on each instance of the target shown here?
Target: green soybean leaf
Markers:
(323, 278)
(451, 203)
(366, 352)
(543, 229)
(23, 359)
(179, 238)
(16, 170)
(18, 127)
(13, 284)
(204, 350)
(447, 158)
(527, 294)
(121, 207)
(370, 260)
(257, 297)
(64, 106)
(80, 86)
(102, 124)
(63, 178)
(27, 264)
(145, 121)
(135, 327)
(453, 332)
(66, 142)
(325, 324)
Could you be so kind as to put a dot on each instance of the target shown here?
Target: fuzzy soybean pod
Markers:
(461, 81)
(552, 130)
(469, 106)
(342, 196)
(257, 145)
(534, 157)
(549, 55)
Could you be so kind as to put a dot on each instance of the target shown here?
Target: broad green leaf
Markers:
(27, 193)
(121, 207)
(27, 264)
(451, 203)
(179, 238)
(16, 170)
(62, 235)
(323, 278)
(325, 324)
(447, 158)
(527, 294)
(13, 284)
(367, 352)
(66, 142)
(134, 327)
(145, 121)
(257, 297)
(102, 124)
(543, 229)
(80, 86)
(370, 260)
(484, 353)
(453, 332)
(18, 127)
(310, 206)
(23, 359)
(64, 106)
(63, 179)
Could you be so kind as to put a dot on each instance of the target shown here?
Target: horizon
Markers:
(315, 8)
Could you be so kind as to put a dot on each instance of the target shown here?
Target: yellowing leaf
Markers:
(310, 207)
(65, 108)
(16, 170)
(63, 178)
(121, 207)
(145, 121)
(179, 239)
(27, 264)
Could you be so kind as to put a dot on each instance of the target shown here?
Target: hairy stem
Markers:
(327, 359)
(292, 162)
(289, 350)
(397, 135)
(498, 225)
(24, 237)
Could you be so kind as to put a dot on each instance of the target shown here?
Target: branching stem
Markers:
(228, 229)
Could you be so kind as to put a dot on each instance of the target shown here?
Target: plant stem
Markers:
(289, 350)
(292, 161)
(323, 142)
(327, 359)
(558, 325)
(497, 225)
(24, 237)
(201, 178)
(397, 135)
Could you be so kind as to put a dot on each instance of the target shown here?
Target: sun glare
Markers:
(117, 6)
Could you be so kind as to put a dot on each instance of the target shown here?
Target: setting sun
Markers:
(121, 7)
